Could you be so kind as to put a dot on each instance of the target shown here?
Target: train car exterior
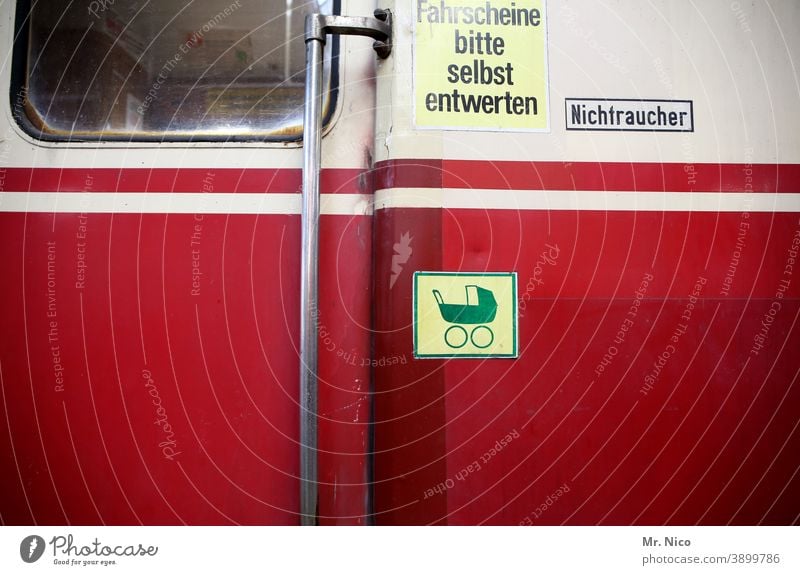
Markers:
(558, 264)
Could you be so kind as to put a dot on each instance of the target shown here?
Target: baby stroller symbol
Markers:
(484, 311)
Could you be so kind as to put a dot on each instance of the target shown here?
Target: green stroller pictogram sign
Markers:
(459, 314)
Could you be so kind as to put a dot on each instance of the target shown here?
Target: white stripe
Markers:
(457, 198)
(359, 204)
(166, 203)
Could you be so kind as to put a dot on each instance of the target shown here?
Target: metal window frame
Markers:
(19, 61)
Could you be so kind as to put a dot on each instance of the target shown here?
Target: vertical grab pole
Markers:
(317, 26)
(309, 281)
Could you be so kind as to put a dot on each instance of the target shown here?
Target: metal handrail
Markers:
(318, 26)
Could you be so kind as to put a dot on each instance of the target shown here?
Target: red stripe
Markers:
(177, 180)
(420, 173)
(408, 174)
(590, 176)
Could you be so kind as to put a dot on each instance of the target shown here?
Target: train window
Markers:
(163, 69)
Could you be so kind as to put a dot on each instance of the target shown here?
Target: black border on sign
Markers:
(566, 114)
(514, 354)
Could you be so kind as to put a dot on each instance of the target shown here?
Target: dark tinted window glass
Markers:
(166, 68)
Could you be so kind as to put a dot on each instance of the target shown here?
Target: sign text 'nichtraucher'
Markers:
(629, 115)
(481, 65)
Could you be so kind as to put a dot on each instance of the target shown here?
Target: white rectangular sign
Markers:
(629, 115)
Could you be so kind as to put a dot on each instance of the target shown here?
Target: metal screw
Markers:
(382, 49)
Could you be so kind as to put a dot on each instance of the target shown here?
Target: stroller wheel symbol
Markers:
(482, 312)
(456, 336)
(481, 340)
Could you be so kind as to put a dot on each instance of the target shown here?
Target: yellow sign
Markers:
(465, 314)
(481, 65)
